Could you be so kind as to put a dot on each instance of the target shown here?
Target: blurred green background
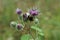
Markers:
(49, 19)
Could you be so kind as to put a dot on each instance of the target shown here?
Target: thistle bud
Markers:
(13, 24)
(18, 11)
(36, 20)
(19, 26)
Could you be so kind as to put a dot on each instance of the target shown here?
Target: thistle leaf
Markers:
(40, 32)
(36, 28)
(26, 37)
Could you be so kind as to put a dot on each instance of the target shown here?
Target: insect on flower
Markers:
(30, 18)
(18, 11)
(28, 14)
(25, 17)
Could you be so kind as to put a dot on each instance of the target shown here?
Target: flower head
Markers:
(19, 26)
(36, 20)
(33, 12)
(18, 11)
(13, 24)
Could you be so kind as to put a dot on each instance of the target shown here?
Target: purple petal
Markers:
(18, 11)
(33, 12)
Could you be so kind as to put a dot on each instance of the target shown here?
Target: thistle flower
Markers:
(13, 24)
(18, 11)
(33, 12)
(19, 26)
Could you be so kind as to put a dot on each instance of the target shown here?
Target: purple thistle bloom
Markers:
(19, 26)
(33, 12)
(18, 11)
